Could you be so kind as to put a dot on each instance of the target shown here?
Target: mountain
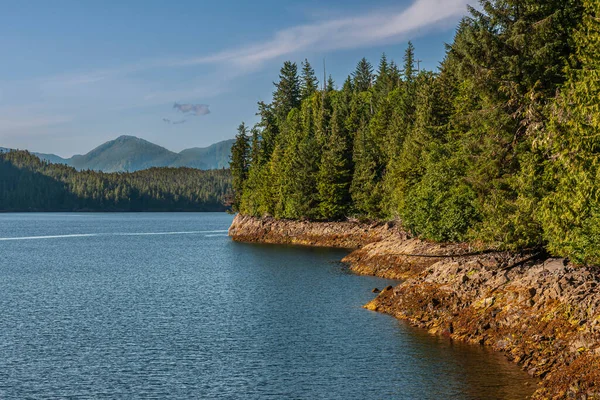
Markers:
(129, 153)
(126, 153)
(52, 158)
(215, 156)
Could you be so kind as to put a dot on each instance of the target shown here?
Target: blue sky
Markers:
(74, 74)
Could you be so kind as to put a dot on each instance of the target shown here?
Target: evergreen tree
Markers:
(409, 63)
(335, 173)
(295, 174)
(504, 57)
(395, 75)
(366, 186)
(383, 82)
(330, 84)
(269, 130)
(309, 83)
(363, 76)
(570, 213)
(255, 147)
(239, 163)
(287, 92)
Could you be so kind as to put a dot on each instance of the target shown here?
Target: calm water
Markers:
(166, 306)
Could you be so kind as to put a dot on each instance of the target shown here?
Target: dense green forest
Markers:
(499, 146)
(29, 184)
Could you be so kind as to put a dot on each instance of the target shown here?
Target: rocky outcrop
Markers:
(543, 313)
(346, 235)
(399, 257)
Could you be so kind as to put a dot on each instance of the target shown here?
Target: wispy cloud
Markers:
(331, 34)
(341, 33)
(193, 109)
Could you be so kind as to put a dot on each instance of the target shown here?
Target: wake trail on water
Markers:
(80, 235)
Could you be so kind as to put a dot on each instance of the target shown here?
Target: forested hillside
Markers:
(499, 146)
(29, 184)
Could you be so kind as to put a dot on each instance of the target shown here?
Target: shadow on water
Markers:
(483, 373)
(412, 362)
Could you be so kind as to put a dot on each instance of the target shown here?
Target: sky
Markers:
(75, 74)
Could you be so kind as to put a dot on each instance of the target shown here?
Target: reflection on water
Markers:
(165, 306)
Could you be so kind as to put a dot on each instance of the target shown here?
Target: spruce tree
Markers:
(309, 83)
(395, 75)
(335, 172)
(240, 152)
(505, 55)
(330, 84)
(287, 92)
(409, 63)
(571, 211)
(363, 76)
(269, 130)
(366, 186)
(296, 170)
(255, 147)
(383, 82)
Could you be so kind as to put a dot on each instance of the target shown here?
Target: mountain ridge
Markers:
(129, 153)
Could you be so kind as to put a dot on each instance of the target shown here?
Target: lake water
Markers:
(167, 306)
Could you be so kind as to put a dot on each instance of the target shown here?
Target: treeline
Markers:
(498, 147)
(29, 184)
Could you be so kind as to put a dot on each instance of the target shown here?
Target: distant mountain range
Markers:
(129, 153)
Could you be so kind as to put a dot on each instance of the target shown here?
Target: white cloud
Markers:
(343, 33)
(324, 35)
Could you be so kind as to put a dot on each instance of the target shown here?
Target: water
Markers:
(167, 306)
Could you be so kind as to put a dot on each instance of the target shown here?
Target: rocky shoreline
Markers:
(543, 313)
(344, 235)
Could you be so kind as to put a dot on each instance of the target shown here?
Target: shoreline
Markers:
(542, 313)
